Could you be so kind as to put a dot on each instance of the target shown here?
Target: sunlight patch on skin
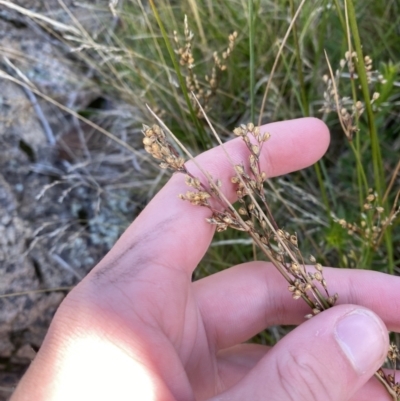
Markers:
(86, 374)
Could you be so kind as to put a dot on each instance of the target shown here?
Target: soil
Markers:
(63, 200)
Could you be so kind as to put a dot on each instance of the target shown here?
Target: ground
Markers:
(67, 192)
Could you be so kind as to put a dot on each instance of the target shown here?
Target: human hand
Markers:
(137, 328)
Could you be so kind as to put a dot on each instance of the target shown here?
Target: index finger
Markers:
(176, 232)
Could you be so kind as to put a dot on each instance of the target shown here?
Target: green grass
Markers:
(144, 69)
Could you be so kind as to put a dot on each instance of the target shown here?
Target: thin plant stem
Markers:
(161, 56)
(375, 146)
(366, 249)
(31, 292)
(363, 177)
(396, 199)
(76, 115)
(193, 5)
(336, 97)
(322, 188)
(357, 149)
(284, 40)
(339, 14)
(389, 249)
(205, 142)
(391, 183)
(391, 392)
(301, 225)
(303, 93)
(252, 23)
(321, 299)
(362, 75)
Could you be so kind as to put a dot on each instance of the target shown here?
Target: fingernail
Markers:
(362, 339)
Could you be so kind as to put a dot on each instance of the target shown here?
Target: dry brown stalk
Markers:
(280, 246)
(349, 110)
(204, 92)
(373, 221)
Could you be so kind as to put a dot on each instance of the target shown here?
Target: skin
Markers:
(137, 328)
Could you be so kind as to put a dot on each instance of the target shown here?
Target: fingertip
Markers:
(363, 339)
(319, 132)
(333, 354)
(295, 144)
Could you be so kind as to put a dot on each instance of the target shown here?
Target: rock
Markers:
(57, 217)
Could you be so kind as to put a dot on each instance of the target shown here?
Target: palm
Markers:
(191, 329)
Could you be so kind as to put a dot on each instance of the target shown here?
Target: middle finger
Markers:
(239, 302)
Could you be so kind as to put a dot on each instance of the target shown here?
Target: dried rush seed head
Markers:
(156, 144)
(281, 247)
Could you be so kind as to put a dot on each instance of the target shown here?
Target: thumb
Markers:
(330, 357)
